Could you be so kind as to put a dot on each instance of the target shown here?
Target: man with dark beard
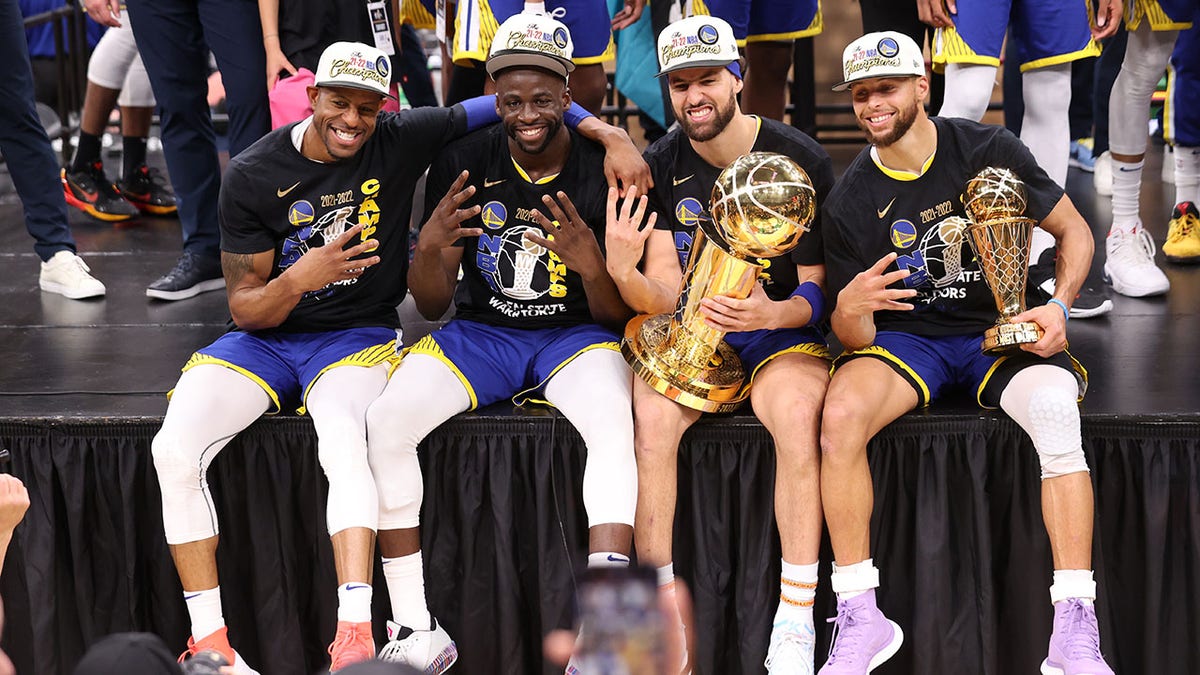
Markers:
(910, 311)
(772, 330)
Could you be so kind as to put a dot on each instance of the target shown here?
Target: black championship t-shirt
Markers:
(508, 281)
(872, 212)
(275, 199)
(683, 184)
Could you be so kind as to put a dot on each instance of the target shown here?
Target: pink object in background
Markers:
(289, 98)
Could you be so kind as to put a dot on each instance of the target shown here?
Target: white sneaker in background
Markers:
(1130, 267)
(1102, 174)
(67, 275)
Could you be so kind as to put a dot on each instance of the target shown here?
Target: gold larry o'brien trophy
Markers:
(999, 235)
(761, 205)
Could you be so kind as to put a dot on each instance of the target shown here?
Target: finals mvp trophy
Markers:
(761, 205)
(1000, 235)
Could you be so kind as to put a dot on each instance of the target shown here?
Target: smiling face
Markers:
(343, 120)
(704, 100)
(886, 107)
(531, 102)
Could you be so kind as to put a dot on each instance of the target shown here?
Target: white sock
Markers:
(1187, 175)
(1069, 584)
(797, 590)
(666, 574)
(204, 608)
(354, 602)
(608, 559)
(1127, 181)
(405, 577)
(854, 580)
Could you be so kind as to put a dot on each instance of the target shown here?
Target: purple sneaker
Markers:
(1075, 644)
(863, 637)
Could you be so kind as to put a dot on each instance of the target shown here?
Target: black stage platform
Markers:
(957, 531)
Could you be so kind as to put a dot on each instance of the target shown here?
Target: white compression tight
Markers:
(421, 394)
(595, 393)
(338, 405)
(1046, 126)
(1042, 399)
(115, 64)
(1129, 104)
(968, 90)
(212, 403)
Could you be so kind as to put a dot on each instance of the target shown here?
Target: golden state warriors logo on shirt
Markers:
(519, 268)
(300, 213)
(688, 211)
(493, 215)
(904, 234)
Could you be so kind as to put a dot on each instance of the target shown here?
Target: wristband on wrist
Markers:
(1061, 305)
(811, 292)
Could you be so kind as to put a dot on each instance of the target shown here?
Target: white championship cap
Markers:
(884, 54)
(536, 40)
(698, 41)
(354, 65)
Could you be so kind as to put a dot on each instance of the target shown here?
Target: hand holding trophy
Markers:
(761, 205)
(1000, 236)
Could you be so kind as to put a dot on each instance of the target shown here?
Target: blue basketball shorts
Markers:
(495, 362)
(1181, 113)
(1161, 14)
(765, 20)
(933, 365)
(1043, 33)
(286, 365)
(757, 348)
(476, 23)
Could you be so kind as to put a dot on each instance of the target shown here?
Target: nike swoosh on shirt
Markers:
(681, 181)
(489, 183)
(281, 193)
(887, 208)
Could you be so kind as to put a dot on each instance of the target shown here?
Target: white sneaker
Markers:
(1102, 175)
(430, 651)
(793, 644)
(67, 275)
(1130, 267)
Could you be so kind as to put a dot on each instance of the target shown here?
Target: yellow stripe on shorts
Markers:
(365, 358)
(429, 347)
(199, 359)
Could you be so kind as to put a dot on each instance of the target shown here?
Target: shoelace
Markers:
(791, 640)
(77, 269)
(845, 639)
(103, 184)
(1083, 637)
(1187, 223)
(1134, 249)
(395, 650)
(343, 640)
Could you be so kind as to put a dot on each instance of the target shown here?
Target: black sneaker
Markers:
(90, 191)
(147, 190)
(191, 276)
(1089, 302)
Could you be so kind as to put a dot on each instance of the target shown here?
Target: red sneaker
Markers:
(352, 644)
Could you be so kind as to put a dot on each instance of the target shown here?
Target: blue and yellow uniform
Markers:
(521, 313)
(1162, 15)
(1181, 114)
(875, 211)
(764, 20)
(1043, 33)
(476, 23)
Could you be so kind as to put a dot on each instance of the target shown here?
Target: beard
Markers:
(722, 116)
(534, 149)
(903, 122)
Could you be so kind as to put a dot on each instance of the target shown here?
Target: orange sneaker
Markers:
(352, 644)
(217, 641)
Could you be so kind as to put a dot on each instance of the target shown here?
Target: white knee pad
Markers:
(1146, 58)
(968, 90)
(1043, 400)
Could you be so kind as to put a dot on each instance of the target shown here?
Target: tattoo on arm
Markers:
(235, 265)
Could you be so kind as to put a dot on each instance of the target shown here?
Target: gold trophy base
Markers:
(1006, 338)
(717, 388)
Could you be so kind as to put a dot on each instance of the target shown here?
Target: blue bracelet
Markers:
(811, 292)
(1061, 305)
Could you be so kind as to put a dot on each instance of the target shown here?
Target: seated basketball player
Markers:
(521, 208)
(772, 330)
(911, 309)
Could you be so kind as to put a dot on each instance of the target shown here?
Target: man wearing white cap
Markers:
(773, 330)
(314, 222)
(910, 311)
(535, 317)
